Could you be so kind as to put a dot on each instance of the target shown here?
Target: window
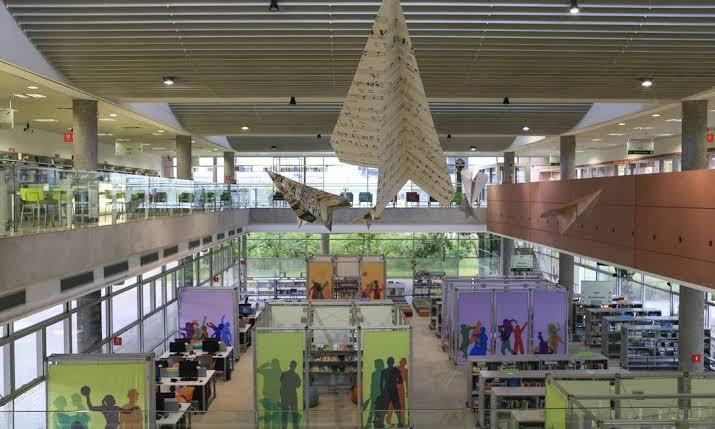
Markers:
(124, 309)
(153, 331)
(29, 406)
(121, 286)
(55, 339)
(26, 360)
(4, 360)
(38, 317)
(147, 297)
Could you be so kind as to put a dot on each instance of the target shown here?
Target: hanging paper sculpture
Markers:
(307, 202)
(568, 214)
(7, 117)
(472, 185)
(385, 121)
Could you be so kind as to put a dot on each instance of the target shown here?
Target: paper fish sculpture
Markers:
(568, 214)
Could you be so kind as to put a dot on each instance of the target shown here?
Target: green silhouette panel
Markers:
(93, 395)
(386, 361)
(279, 379)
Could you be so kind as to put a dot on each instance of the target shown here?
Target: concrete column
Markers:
(89, 321)
(85, 145)
(325, 244)
(183, 157)
(244, 256)
(566, 262)
(507, 244)
(229, 174)
(691, 306)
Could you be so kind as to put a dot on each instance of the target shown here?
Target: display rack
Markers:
(276, 288)
(578, 325)
(427, 283)
(611, 330)
(594, 317)
(346, 287)
(505, 399)
(652, 347)
(333, 366)
(435, 316)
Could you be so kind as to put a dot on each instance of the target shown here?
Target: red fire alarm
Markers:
(228, 178)
(68, 137)
(711, 138)
(696, 358)
(217, 279)
(117, 341)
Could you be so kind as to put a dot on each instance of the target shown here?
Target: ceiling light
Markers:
(273, 7)
(676, 119)
(595, 140)
(113, 115)
(20, 95)
(158, 148)
(664, 135)
(621, 123)
(274, 147)
(168, 80)
(647, 83)
(214, 149)
(526, 128)
(579, 151)
(103, 134)
(36, 95)
(45, 120)
(292, 100)
(573, 9)
(449, 136)
(472, 148)
(107, 119)
(244, 128)
(33, 87)
(123, 140)
(656, 115)
(643, 128)
(616, 135)
(506, 100)
(160, 131)
(156, 134)
(612, 144)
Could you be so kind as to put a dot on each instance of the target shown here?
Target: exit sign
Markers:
(68, 137)
(117, 341)
(711, 138)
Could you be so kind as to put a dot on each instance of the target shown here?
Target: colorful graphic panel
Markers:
(555, 413)
(372, 279)
(207, 313)
(279, 379)
(386, 361)
(320, 280)
(549, 318)
(93, 395)
(512, 317)
(474, 325)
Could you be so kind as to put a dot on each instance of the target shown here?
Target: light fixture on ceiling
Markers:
(158, 148)
(113, 115)
(274, 147)
(244, 128)
(273, 7)
(616, 135)
(595, 140)
(168, 80)
(646, 83)
(655, 115)
(525, 128)
(107, 119)
(20, 95)
(574, 9)
(36, 95)
(214, 150)
(160, 131)
(45, 120)
(157, 134)
(621, 124)
(33, 87)
(676, 119)
(506, 100)
(292, 100)
(103, 134)
(472, 148)
(665, 135)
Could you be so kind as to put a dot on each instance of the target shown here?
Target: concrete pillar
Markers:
(566, 262)
(183, 157)
(85, 145)
(507, 244)
(325, 244)
(691, 306)
(89, 321)
(244, 257)
(229, 163)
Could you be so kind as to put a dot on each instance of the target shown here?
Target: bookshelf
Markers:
(652, 347)
(611, 330)
(594, 318)
(505, 399)
(435, 316)
(333, 366)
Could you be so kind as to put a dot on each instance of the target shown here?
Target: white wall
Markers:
(48, 144)
(662, 146)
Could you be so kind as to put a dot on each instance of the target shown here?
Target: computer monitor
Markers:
(210, 345)
(177, 347)
(245, 310)
(188, 368)
(160, 398)
(158, 365)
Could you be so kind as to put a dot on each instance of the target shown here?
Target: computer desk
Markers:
(175, 419)
(205, 388)
(223, 361)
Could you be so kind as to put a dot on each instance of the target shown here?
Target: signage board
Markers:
(640, 147)
(597, 292)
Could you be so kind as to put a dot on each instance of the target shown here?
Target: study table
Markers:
(223, 360)
(175, 419)
(204, 392)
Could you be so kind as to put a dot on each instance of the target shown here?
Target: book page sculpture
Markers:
(568, 214)
(385, 121)
(307, 202)
(472, 185)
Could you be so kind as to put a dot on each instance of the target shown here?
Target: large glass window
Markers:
(26, 359)
(29, 408)
(38, 317)
(124, 309)
(55, 339)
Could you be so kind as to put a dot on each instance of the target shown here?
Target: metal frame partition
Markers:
(105, 359)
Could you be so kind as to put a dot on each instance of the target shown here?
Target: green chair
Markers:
(32, 199)
(60, 201)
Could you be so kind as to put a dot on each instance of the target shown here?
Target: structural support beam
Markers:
(325, 244)
(85, 146)
(89, 322)
(507, 244)
(183, 157)
(567, 155)
(229, 165)
(691, 306)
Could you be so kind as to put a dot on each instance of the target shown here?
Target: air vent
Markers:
(208, 239)
(76, 281)
(12, 300)
(114, 269)
(131, 127)
(149, 258)
(232, 232)
(194, 243)
(220, 236)
(168, 251)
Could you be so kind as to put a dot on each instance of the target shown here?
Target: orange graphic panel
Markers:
(372, 279)
(320, 280)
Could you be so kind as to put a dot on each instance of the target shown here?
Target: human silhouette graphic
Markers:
(390, 379)
(81, 415)
(317, 291)
(401, 393)
(505, 331)
(518, 342)
(554, 338)
(481, 342)
(271, 373)
(465, 332)
(543, 347)
(187, 330)
(221, 331)
(371, 402)
(62, 418)
(133, 419)
(109, 409)
(290, 382)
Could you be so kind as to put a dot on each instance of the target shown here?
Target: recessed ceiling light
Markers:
(113, 115)
(33, 87)
(612, 144)
(123, 140)
(214, 149)
(20, 95)
(244, 128)
(45, 120)
(107, 119)
(168, 80)
(574, 9)
(580, 151)
(595, 140)
(156, 134)
(643, 128)
(621, 123)
(158, 148)
(36, 95)
(674, 120)
(159, 131)
(525, 128)
(616, 135)
(193, 141)
(646, 83)
(472, 148)
(655, 115)
(664, 135)
(104, 134)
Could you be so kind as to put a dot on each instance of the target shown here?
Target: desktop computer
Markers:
(177, 347)
(210, 345)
